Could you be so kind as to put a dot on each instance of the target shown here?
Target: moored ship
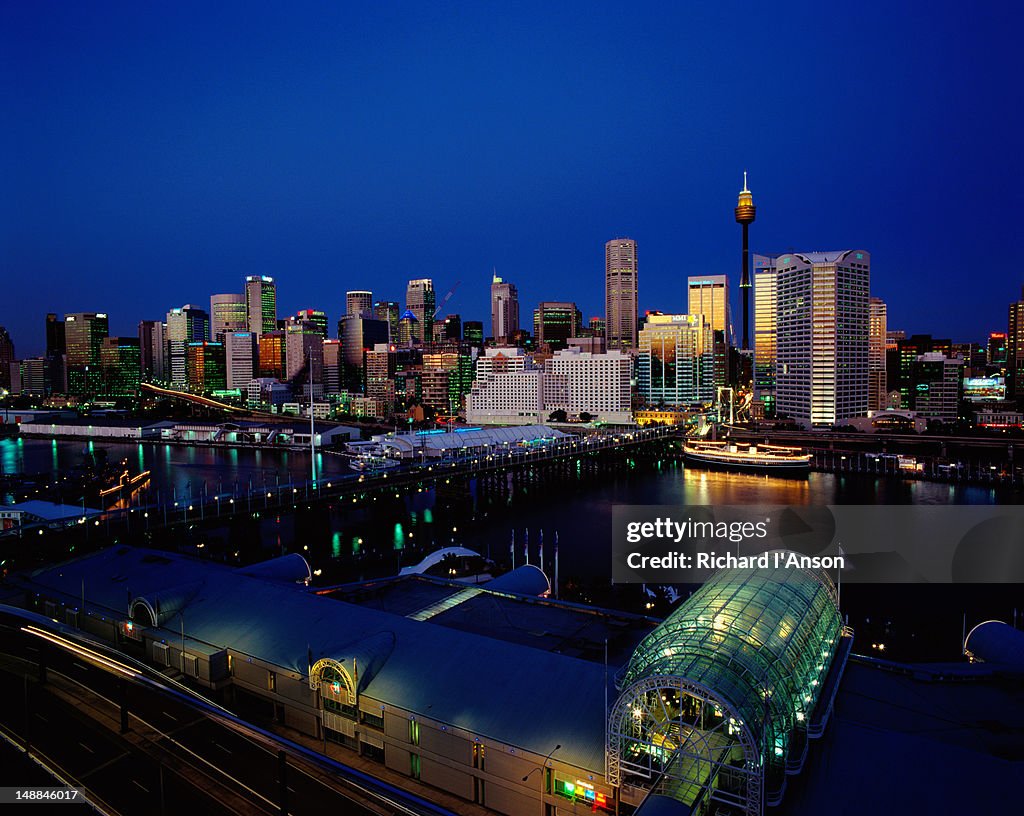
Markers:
(764, 458)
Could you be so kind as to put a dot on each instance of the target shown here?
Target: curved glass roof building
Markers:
(717, 703)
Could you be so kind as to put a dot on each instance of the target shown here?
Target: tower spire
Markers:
(744, 190)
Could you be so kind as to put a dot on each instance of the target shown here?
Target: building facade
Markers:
(421, 300)
(120, 360)
(504, 310)
(620, 294)
(153, 350)
(877, 383)
(239, 359)
(822, 320)
(188, 324)
(1015, 350)
(554, 322)
(676, 361)
(228, 313)
(261, 304)
(358, 302)
(84, 333)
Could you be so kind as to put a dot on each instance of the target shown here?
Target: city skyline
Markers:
(168, 166)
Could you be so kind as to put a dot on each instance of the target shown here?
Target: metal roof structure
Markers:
(437, 443)
(998, 643)
(718, 699)
(433, 670)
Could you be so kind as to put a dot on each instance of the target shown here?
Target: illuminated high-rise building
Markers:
(877, 390)
(996, 355)
(473, 332)
(389, 311)
(303, 347)
(153, 350)
(765, 308)
(421, 300)
(1015, 350)
(620, 294)
(676, 360)
(554, 322)
(900, 360)
(261, 304)
(315, 317)
(205, 367)
(504, 310)
(821, 369)
(228, 313)
(84, 333)
(121, 365)
(708, 296)
(358, 302)
(358, 335)
(271, 356)
(745, 213)
(332, 366)
(188, 324)
(239, 359)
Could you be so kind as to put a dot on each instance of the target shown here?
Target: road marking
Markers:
(78, 665)
(87, 748)
(141, 786)
(40, 716)
(225, 750)
(169, 716)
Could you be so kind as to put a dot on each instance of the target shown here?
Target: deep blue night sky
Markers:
(151, 154)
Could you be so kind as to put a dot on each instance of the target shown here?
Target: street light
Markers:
(543, 786)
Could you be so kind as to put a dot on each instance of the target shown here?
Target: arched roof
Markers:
(760, 640)
(996, 642)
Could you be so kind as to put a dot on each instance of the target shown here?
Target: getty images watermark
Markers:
(866, 543)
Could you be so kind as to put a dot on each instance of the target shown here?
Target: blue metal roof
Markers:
(517, 695)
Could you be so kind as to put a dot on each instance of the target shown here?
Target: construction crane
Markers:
(445, 299)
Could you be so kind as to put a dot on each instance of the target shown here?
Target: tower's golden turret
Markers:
(745, 209)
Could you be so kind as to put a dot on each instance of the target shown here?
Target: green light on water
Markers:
(336, 545)
(357, 545)
(428, 517)
(399, 536)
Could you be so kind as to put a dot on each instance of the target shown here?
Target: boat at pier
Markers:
(764, 458)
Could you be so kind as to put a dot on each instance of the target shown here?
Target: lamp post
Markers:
(543, 787)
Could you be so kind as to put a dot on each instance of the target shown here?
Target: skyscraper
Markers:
(745, 213)
(271, 356)
(389, 311)
(119, 359)
(261, 304)
(421, 300)
(620, 294)
(228, 313)
(877, 391)
(504, 310)
(6, 358)
(205, 367)
(708, 296)
(316, 317)
(765, 316)
(84, 333)
(1015, 350)
(55, 342)
(239, 359)
(822, 358)
(358, 301)
(186, 325)
(358, 335)
(676, 362)
(153, 350)
(554, 322)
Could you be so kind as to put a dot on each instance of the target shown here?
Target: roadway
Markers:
(179, 752)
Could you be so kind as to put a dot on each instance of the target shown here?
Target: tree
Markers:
(558, 416)
(585, 417)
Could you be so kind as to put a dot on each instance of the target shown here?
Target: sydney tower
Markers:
(745, 214)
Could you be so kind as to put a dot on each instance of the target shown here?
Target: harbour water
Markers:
(348, 544)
